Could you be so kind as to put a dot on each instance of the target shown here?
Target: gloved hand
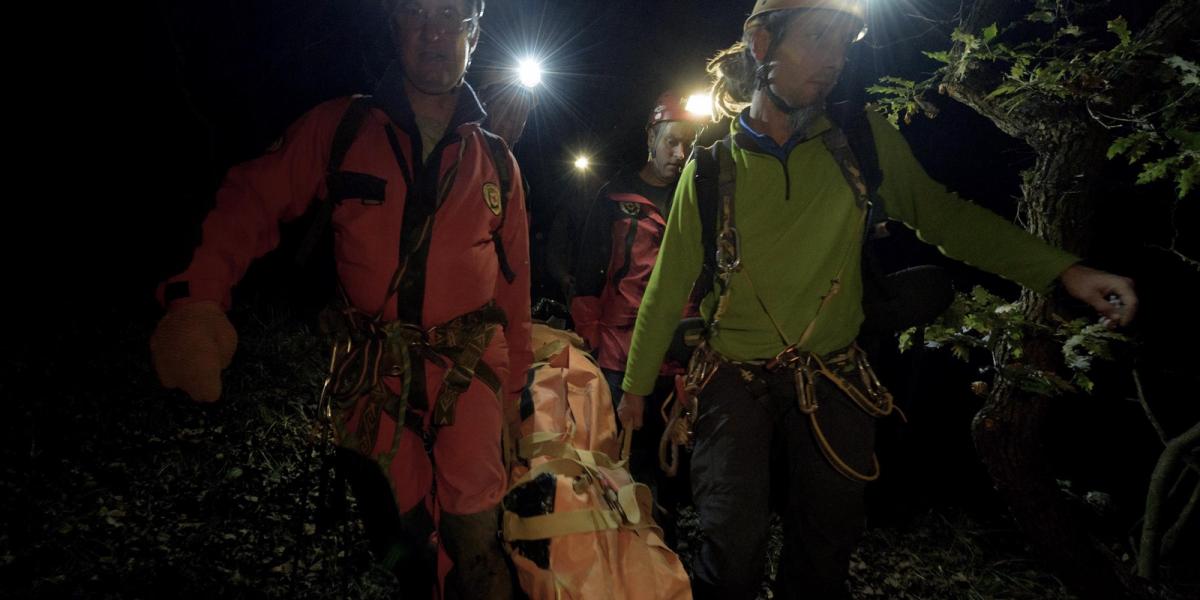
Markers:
(508, 104)
(190, 347)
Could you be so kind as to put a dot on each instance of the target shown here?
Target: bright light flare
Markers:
(700, 105)
(582, 163)
(529, 71)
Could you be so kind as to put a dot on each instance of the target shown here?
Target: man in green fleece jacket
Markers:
(782, 355)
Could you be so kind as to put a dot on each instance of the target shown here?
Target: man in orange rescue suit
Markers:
(432, 320)
(616, 253)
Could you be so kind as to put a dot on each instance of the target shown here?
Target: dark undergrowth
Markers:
(115, 488)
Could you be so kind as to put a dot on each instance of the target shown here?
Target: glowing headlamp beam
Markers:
(529, 72)
(700, 104)
(582, 163)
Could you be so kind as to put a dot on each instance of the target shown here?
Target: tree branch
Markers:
(986, 12)
(1185, 517)
(1158, 428)
(1037, 121)
(1174, 25)
(1147, 566)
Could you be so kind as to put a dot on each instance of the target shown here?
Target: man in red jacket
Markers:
(616, 253)
(620, 237)
(432, 263)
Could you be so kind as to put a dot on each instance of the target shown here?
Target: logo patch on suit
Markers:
(630, 208)
(491, 195)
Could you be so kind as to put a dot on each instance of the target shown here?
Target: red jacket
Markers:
(461, 272)
(618, 248)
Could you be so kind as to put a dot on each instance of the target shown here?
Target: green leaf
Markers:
(1005, 88)
(989, 33)
(1188, 139)
(1041, 16)
(1120, 27)
(1140, 149)
(1084, 382)
(1187, 179)
(1189, 70)
(899, 81)
(967, 39)
(1073, 31)
(1079, 363)
(942, 57)
(1154, 171)
(1118, 147)
(1127, 143)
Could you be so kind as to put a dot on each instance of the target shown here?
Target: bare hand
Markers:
(1111, 295)
(630, 410)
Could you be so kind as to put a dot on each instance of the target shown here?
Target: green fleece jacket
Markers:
(799, 229)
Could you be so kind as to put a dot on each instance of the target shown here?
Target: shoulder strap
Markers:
(500, 154)
(343, 138)
(715, 177)
(630, 238)
(852, 119)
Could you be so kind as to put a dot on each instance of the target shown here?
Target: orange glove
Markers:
(190, 347)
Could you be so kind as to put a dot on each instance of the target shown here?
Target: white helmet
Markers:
(856, 8)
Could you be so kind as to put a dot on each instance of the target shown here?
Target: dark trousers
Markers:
(669, 492)
(400, 542)
(736, 431)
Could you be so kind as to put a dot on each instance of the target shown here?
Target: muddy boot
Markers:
(480, 569)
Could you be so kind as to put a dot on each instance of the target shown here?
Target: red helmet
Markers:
(670, 107)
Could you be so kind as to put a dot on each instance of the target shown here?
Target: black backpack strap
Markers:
(338, 188)
(857, 130)
(852, 119)
(630, 238)
(500, 154)
(709, 180)
(398, 153)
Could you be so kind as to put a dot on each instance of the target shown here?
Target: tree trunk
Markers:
(1058, 207)
(1009, 429)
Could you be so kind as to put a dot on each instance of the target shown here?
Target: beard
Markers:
(799, 120)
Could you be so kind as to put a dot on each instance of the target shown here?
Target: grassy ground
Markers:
(114, 488)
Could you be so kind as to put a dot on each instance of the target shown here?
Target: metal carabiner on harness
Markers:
(729, 251)
(729, 241)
